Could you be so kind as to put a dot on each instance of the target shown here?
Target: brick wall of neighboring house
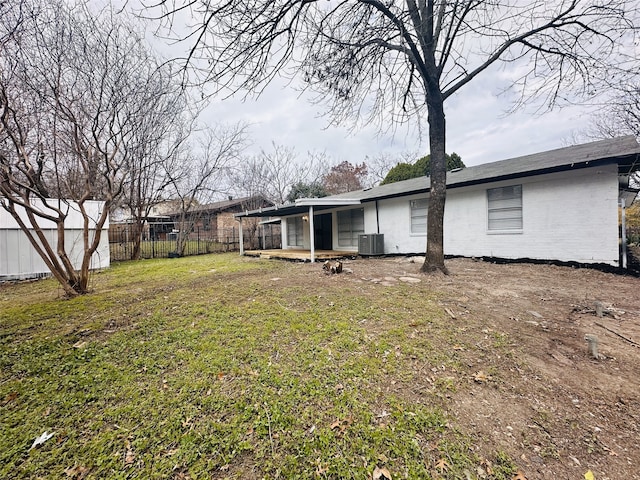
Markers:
(220, 225)
(207, 223)
(225, 221)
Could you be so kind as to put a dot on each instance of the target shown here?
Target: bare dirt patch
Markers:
(528, 384)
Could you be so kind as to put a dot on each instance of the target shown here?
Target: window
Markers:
(505, 208)
(350, 225)
(294, 232)
(419, 215)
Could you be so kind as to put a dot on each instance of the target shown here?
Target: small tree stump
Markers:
(335, 267)
(592, 345)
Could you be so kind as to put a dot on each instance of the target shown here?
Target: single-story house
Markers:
(123, 228)
(559, 205)
(217, 218)
(19, 260)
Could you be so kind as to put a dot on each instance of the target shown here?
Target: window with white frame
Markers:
(295, 237)
(350, 225)
(505, 208)
(419, 210)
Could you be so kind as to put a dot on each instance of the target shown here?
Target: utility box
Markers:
(371, 244)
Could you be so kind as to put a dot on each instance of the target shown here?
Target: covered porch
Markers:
(311, 210)
(300, 255)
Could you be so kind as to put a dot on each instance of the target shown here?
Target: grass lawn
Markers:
(219, 366)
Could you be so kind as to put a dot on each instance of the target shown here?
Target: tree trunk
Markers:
(137, 230)
(434, 260)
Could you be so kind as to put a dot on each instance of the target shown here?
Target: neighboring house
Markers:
(19, 260)
(216, 220)
(558, 205)
(212, 221)
(156, 225)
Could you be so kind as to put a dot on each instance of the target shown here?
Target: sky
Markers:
(478, 128)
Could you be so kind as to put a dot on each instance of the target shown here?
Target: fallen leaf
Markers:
(589, 475)
(76, 472)
(129, 456)
(481, 377)
(80, 344)
(486, 464)
(321, 469)
(41, 439)
(341, 425)
(383, 458)
(11, 396)
(519, 475)
(442, 465)
(381, 474)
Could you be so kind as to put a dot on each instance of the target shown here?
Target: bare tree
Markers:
(271, 173)
(379, 165)
(165, 126)
(196, 174)
(397, 60)
(73, 91)
(620, 115)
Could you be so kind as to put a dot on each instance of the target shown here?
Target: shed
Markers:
(19, 260)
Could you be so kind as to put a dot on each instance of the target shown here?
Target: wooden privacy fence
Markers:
(160, 244)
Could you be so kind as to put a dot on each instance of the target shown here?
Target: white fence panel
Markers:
(19, 260)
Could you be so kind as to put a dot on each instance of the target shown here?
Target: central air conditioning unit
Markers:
(371, 244)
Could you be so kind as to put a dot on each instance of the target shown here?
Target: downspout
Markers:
(377, 219)
(623, 222)
(312, 240)
(241, 239)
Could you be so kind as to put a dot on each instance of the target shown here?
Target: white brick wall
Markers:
(567, 216)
